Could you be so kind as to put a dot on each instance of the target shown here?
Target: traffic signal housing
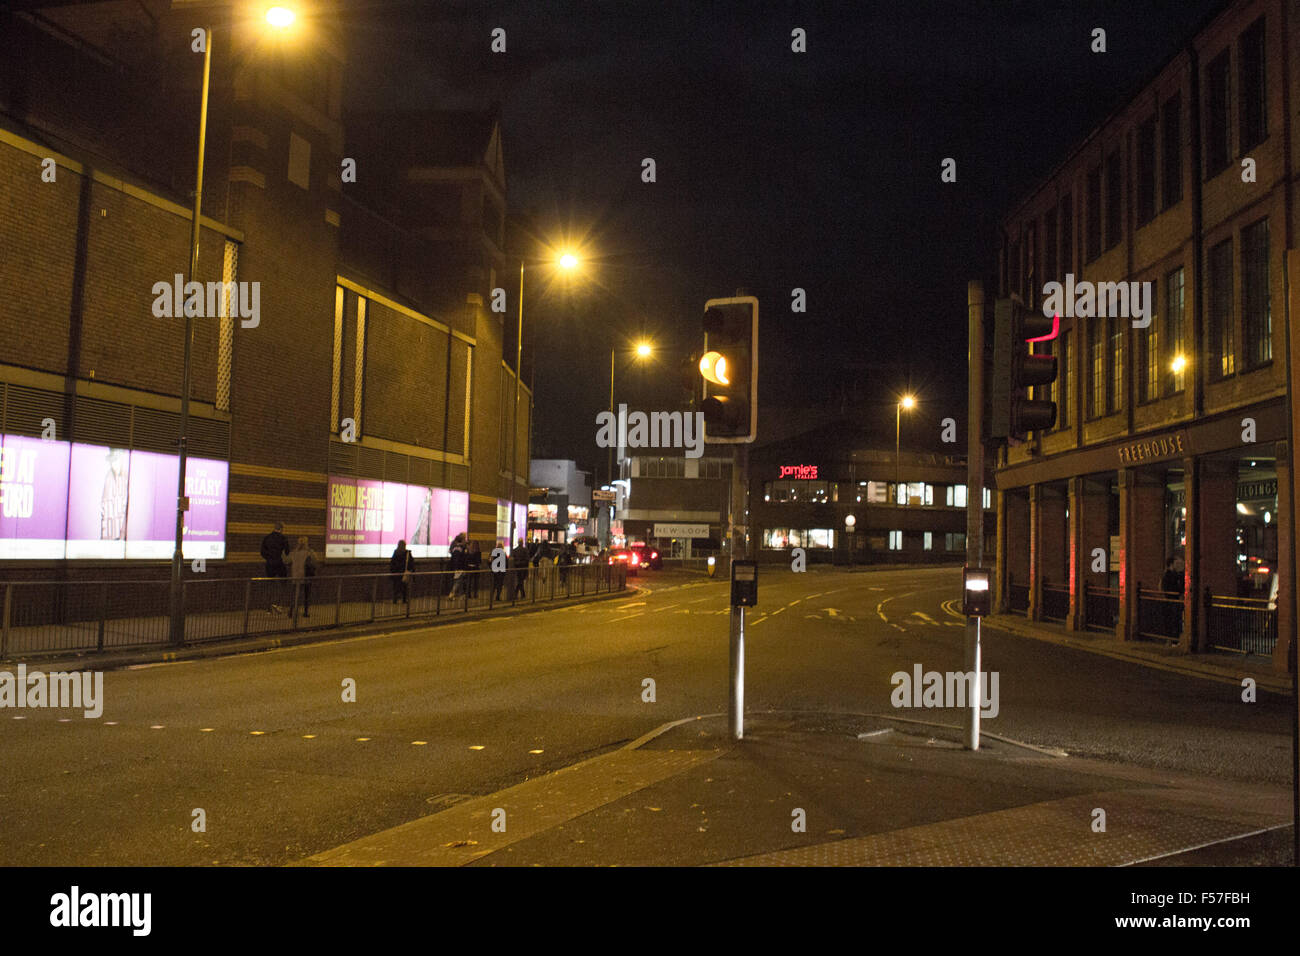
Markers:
(729, 368)
(1012, 413)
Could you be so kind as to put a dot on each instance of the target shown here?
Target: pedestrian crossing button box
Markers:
(976, 593)
(744, 583)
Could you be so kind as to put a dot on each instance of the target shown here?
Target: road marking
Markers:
(759, 620)
(475, 746)
(833, 612)
(667, 607)
(777, 611)
(308, 736)
(362, 740)
(156, 727)
(925, 617)
(257, 733)
(145, 667)
(628, 617)
(633, 604)
(419, 743)
(206, 730)
(536, 751)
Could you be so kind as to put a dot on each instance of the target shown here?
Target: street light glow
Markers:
(280, 17)
(643, 349)
(568, 261)
(908, 401)
(1179, 363)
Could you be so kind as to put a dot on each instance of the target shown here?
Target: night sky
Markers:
(775, 170)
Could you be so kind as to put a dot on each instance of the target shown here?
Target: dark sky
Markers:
(775, 170)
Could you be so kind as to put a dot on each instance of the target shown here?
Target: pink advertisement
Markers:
(367, 518)
(91, 501)
(33, 497)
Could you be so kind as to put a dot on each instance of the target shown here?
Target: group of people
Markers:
(466, 564)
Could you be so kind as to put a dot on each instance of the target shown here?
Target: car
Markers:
(650, 557)
(626, 557)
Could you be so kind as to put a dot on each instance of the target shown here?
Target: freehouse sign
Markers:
(1162, 447)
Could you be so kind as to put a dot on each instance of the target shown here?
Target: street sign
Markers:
(599, 495)
(665, 530)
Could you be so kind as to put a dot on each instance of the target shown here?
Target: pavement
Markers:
(804, 789)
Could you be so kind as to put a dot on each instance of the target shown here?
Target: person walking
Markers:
(565, 561)
(474, 567)
(400, 566)
(519, 562)
(1172, 583)
(275, 548)
(499, 577)
(302, 568)
(458, 561)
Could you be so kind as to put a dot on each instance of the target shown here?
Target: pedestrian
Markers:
(275, 548)
(1172, 583)
(400, 566)
(540, 556)
(459, 558)
(474, 567)
(302, 568)
(499, 577)
(519, 562)
(565, 561)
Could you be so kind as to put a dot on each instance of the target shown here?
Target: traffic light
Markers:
(1012, 413)
(729, 367)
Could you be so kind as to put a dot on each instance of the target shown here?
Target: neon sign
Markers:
(801, 472)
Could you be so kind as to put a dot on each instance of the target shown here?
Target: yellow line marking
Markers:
(362, 740)
(257, 733)
(476, 747)
(205, 730)
(308, 736)
(418, 743)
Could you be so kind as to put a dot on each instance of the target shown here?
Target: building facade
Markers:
(559, 503)
(1170, 230)
(356, 389)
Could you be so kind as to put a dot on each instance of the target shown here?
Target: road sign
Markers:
(599, 495)
(664, 530)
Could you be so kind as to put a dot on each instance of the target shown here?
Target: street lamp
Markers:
(908, 402)
(644, 349)
(567, 261)
(280, 18)
(850, 522)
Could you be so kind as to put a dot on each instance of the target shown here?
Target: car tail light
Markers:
(635, 559)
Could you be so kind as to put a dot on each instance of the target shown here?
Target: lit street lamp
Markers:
(567, 261)
(279, 18)
(909, 403)
(850, 522)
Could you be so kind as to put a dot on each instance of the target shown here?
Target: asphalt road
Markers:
(282, 767)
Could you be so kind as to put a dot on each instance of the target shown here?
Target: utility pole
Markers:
(974, 491)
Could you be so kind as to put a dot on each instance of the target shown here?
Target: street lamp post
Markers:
(280, 18)
(643, 350)
(850, 522)
(907, 402)
(566, 261)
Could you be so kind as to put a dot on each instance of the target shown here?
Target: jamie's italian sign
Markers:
(799, 472)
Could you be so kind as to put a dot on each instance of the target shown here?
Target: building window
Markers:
(1174, 369)
(1256, 318)
(988, 501)
(1148, 361)
(664, 468)
(1146, 171)
(782, 538)
(710, 468)
(1171, 145)
(1067, 234)
(1093, 249)
(1252, 106)
(1222, 346)
(1114, 207)
(954, 542)
(1116, 353)
(1097, 368)
(1218, 136)
(877, 492)
(895, 541)
(956, 496)
(927, 541)
(1061, 388)
(336, 375)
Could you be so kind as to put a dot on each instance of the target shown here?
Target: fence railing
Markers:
(1018, 597)
(43, 616)
(1056, 601)
(1100, 606)
(1244, 625)
(1159, 615)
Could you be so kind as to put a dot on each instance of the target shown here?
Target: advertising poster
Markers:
(33, 497)
(98, 485)
(457, 516)
(151, 507)
(419, 508)
(367, 518)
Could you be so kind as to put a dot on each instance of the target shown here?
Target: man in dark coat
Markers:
(275, 548)
(519, 562)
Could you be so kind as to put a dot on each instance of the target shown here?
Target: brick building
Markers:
(373, 361)
(1172, 435)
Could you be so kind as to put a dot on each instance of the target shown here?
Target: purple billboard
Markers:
(366, 518)
(91, 501)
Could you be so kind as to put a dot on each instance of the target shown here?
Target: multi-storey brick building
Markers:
(1172, 437)
(374, 364)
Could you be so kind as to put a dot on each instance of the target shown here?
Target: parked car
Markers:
(650, 557)
(626, 557)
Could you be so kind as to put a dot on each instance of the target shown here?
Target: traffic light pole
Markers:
(739, 506)
(974, 493)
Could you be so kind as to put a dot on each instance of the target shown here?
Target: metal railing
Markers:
(1017, 597)
(1100, 607)
(1243, 625)
(1056, 602)
(44, 616)
(1159, 615)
